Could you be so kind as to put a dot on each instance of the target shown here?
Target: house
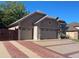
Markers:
(73, 30)
(36, 26)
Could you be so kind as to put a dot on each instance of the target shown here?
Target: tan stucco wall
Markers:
(72, 35)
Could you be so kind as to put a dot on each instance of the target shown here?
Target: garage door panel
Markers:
(26, 34)
(48, 35)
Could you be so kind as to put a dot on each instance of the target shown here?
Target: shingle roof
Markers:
(72, 26)
(36, 17)
(45, 17)
(32, 16)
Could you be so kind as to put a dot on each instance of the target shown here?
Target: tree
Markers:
(62, 28)
(12, 11)
(2, 25)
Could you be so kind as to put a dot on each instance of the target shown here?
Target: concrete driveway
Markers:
(25, 49)
(64, 47)
(39, 49)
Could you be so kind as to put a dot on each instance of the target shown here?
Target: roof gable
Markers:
(35, 16)
(45, 17)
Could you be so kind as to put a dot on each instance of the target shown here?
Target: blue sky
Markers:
(68, 11)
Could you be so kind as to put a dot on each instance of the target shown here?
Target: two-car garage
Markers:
(48, 34)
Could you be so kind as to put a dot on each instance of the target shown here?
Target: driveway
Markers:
(39, 49)
(64, 47)
(25, 49)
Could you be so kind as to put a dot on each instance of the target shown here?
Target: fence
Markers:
(6, 34)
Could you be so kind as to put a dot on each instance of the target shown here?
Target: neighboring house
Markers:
(73, 30)
(36, 26)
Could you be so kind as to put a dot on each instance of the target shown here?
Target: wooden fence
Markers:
(6, 34)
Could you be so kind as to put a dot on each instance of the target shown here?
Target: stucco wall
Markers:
(72, 35)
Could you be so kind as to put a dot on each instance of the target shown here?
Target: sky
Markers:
(65, 10)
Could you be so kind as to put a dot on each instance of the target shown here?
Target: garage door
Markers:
(26, 34)
(48, 34)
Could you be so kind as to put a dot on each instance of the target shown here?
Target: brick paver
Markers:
(14, 52)
(66, 47)
(44, 52)
(25, 50)
(40, 49)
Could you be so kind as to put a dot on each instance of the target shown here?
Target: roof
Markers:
(39, 13)
(45, 17)
(72, 26)
(36, 17)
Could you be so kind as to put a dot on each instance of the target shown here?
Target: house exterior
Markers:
(73, 31)
(36, 26)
